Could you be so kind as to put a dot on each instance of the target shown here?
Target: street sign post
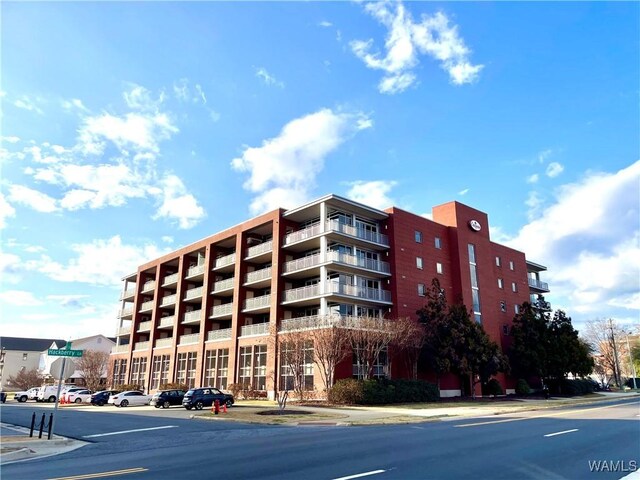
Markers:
(64, 353)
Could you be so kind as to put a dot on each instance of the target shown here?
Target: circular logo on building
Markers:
(475, 225)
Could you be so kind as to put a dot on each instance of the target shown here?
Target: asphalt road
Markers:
(554, 444)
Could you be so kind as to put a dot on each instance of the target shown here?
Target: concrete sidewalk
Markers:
(16, 444)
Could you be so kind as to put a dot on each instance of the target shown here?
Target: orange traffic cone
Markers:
(224, 408)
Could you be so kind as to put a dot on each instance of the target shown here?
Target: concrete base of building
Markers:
(450, 393)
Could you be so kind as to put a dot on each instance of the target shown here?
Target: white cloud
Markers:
(27, 103)
(215, 116)
(268, 79)
(74, 104)
(589, 240)
(554, 169)
(373, 194)
(33, 199)
(6, 211)
(406, 40)
(534, 201)
(19, 298)
(10, 139)
(167, 239)
(283, 169)
(178, 204)
(544, 155)
(139, 98)
(10, 267)
(325, 24)
(533, 178)
(463, 192)
(183, 92)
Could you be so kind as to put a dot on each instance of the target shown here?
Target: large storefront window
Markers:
(245, 366)
(380, 366)
(160, 371)
(296, 366)
(217, 368)
(260, 367)
(138, 371)
(119, 372)
(186, 373)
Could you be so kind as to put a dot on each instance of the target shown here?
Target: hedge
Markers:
(383, 391)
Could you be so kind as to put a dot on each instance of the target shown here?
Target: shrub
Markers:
(127, 386)
(493, 387)
(383, 391)
(174, 386)
(577, 386)
(235, 389)
(347, 391)
(522, 387)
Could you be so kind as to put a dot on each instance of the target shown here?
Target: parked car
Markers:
(629, 383)
(129, 397)
(30, 394)
(204, 397)
(66, 391)
(3, 397)
(102, 397)
(81, 396)
(47, 393)
(166, 398)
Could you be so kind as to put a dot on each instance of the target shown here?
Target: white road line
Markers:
(561, 433)
(129, 431)
(358, 475)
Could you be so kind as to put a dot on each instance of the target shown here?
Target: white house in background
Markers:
(22, 354)
(98, 343)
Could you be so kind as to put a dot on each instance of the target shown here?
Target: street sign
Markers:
(61, 352)
(61, 368)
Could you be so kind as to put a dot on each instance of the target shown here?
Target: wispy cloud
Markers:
(406, 40)
(283, 170)
(29, 103)
(325, 24)
(533, 178)
(74, 104)
(184, 92)
(554, 169)
(463, 192)
(178, 205)
(34, 199)
(372, 193)
(20, 298)
(6, 211)
(267, 78)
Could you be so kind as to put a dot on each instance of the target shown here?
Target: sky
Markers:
(129, 130)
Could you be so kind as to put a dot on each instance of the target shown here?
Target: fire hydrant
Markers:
(216, 406)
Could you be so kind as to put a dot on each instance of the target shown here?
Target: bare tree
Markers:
(25, 379)
(409, 339)
(330, 346)
(605, 338)
(369, 337)
(296, 352)
(93, 366)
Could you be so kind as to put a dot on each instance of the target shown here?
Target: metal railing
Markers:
(144, 326)
(301, 263)
(167, 321)
(193, 293)
(257, 302)
(538, 284)
(125, 312)
(256, 329)
(225, 260)
(219, 310)
(361, 233)
(146, 306)
(303, 234)
(168, 300)
(314, 322)
(338, 257)
(120, 348)
(222, 334)
(192, 316)
(310, 291)
(129, 292)
(187, 339)
(257, 275)
(148, 285)
(223, 285)
(261, 248)
(170, 279)
(141, 345)
(123, 331)
(195, 270)
(301, 293)
(164, 342)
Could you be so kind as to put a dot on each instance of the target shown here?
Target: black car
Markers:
(166, 398)
(102, 397)
(204, 397)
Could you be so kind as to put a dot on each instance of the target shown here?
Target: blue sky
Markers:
(131, 129)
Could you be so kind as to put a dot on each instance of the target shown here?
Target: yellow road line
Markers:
(567, 412)
(103, 474)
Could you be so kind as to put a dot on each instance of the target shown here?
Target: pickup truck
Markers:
(31, 394)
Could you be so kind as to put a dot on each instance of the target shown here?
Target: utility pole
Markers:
(616, 372)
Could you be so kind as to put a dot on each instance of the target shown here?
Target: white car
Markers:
(80, 396)
(129, 397)
(31, 394)
(66, 391)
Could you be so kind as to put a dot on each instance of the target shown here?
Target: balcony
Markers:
(122, 331)
(170, 280)
(126, 312)
(128, 294)
(311, 292)
(258, 278)
(302, 236)
(358, 233)
(225, 263)
(260, 252)
(195, 273)
(302, 293)
(167, 322)
(538, 286)
(193, 294)
(189, 339)
(146, 306)
(191, 318)
(222, 311)
(223, 286)
(144, 326)
(256, 304)
(164, 342)
(219, 335)
(149, 286)
(254, 330)
(168, 301)
(141, 346)
(120, 348)
(350, 263)
(340, 321)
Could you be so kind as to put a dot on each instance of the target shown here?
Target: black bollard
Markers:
(33, 424)
(50, 426)
(41, 426)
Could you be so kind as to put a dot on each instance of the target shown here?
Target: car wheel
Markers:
(157, 405)
(199, 405)
(229, 403)
(188, 407)
(78, 400)
(124, 403)
(52, 399)
(101, 403)
(166, 404)
(22, 399)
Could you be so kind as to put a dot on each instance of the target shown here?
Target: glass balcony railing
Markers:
(225, 260)
(538, 284)
(310, 291)
(257, 302)
(120, 348)
(123, 331)
(223, 285)
(258, 275)
(222, 334)
(257, 329)
(189, 339)
(195, 270)
(141, 345)
(303, 234)
(191, 317)
(168, 300)
(301, 293)
(361, 233)
(166, 322)
(337, 257)
(259, 249)
(144, 326)
(222, 310)
(170, 279)
(147, 306)
(164, 342)
(126, 312)
(149, 286)
(128, 293)
(193, 293)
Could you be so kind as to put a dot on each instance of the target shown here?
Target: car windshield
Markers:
(189, 393)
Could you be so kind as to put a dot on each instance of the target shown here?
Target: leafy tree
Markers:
(93, 367)
(528, 354)
(25, 379)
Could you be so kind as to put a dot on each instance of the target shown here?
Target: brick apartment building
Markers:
(210, 313)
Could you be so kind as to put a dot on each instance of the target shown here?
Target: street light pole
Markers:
(633, 367)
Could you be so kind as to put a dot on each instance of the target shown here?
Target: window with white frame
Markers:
(498, 262)
(245, 366)
(380, 366)
(438, 243)
(260, 367)
(514, 286)
(419, 262)
(422, 289)
(500, 283)
(516, 309)
(511, 266)
(288, 365)
(439, 268)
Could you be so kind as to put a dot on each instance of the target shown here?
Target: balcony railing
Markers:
(338, 257)
(193, 316)
(166, 321)
(195, 270)
(257, 302)
(164, 342)
(141, 345)
(123, 331)
(257, 275)
(538, 284)
(144, 326)
(314, 322)
(126, 312)
(120, 348)
(193, 293)
(216, 335)
(303, 234)
(188, 339)
(257, 329)
(225, 260)
(220, 310)
(168, 300)
(147, 306)
(261, 248)
(223, 285)
(360, 233)
(301, 263)
(310, 291)
(170, 279)
(301, 293)
(149, 286)
(129, 292)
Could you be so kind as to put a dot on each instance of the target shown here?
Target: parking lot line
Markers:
(112, 473)
(129, 431)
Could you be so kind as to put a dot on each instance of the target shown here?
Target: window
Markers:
(296, 365)
(505, 329)
(418, 236)
(498, 262)
(119, 372)
(438, 242)
(138, 371)
(192, 360)
(503, 306)
(24, 357)
(245, 366)
(475, 290)
(516, 308)
(511, 267)
(379, 368)
(419, 262)
(514, 286)
(500, 283)
(438, 267)
(422, 290)
(260, 367)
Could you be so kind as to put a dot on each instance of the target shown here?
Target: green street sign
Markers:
(62, 352)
